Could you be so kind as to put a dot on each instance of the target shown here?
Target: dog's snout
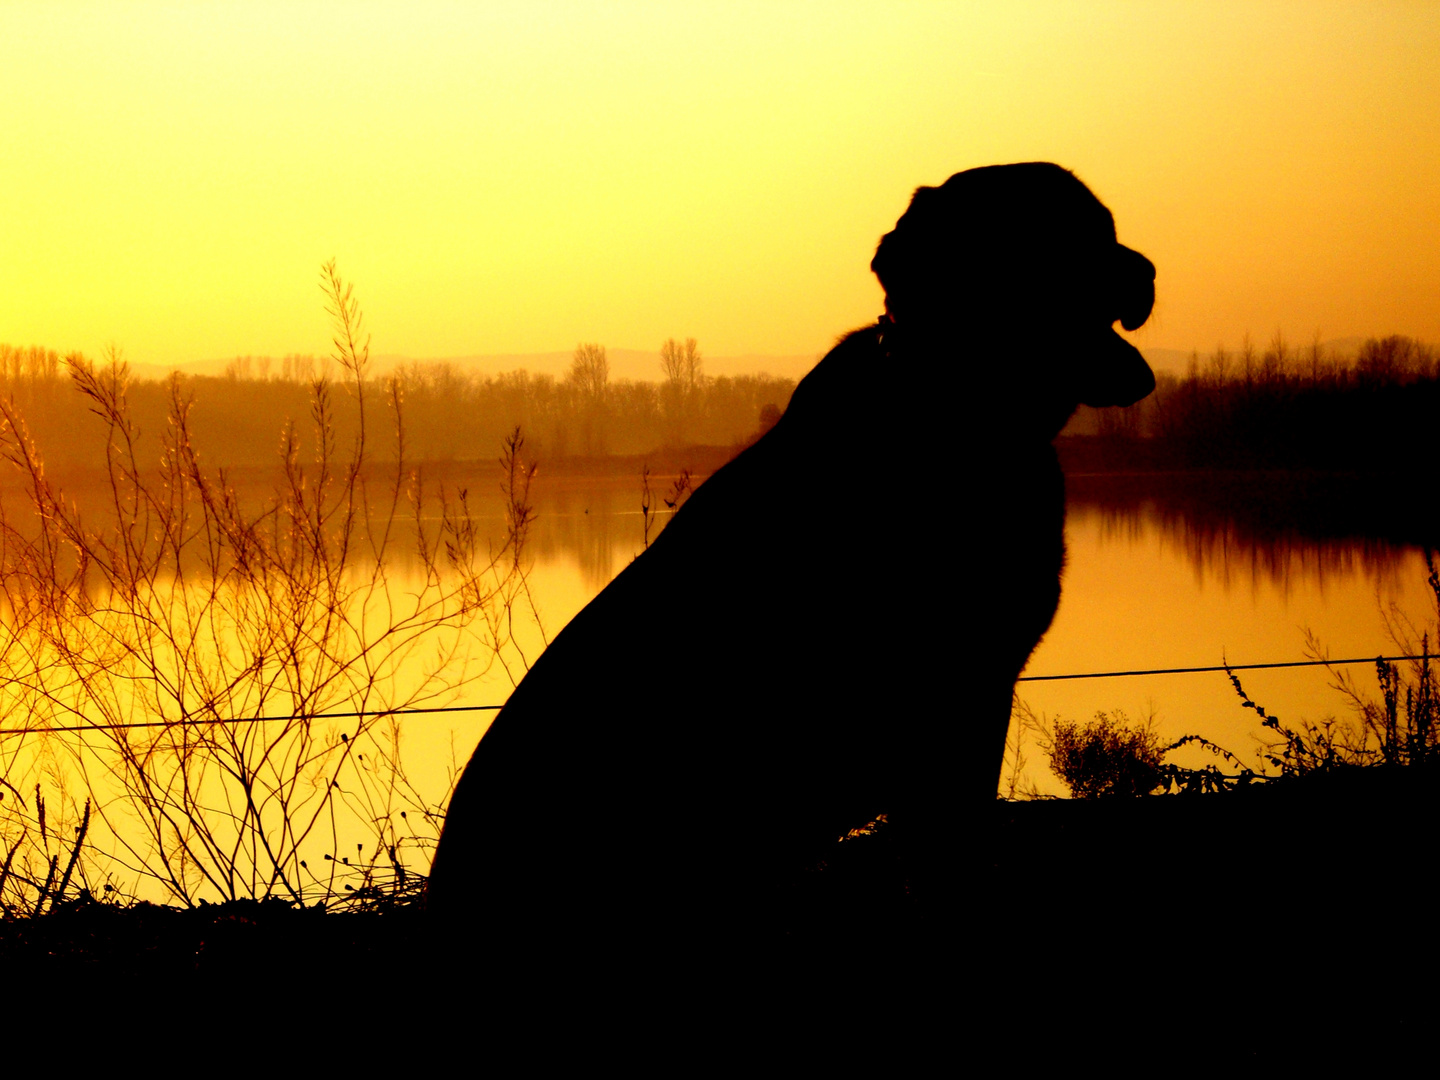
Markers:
(1135, 284)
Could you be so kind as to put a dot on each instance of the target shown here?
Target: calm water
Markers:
(1144, 592)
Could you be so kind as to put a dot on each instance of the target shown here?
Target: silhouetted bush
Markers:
(1107, 757)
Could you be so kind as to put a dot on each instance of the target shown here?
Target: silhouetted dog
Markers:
(832, 627)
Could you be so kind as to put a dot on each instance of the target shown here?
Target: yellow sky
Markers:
(513, 178)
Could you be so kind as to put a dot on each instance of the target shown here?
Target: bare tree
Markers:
(1316, 355)
(590, 370)
(1275, 364)
(682, 366)
(1394, 359)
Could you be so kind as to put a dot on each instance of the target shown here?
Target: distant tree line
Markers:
(448, 414)
(1279, 408)
(1272, 408)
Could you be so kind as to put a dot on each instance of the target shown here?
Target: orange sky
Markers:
(513, 178)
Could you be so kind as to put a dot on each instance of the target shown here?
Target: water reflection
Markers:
(591, 523)
(1240, 527)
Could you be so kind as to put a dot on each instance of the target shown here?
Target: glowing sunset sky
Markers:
(513, 178)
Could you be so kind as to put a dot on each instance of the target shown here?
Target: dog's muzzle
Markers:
(1134, 285)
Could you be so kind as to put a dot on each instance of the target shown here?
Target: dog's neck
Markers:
(983, 387)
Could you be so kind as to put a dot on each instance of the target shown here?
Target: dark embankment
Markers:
(1283, 922)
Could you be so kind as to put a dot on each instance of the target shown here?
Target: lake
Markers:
(1158, 577)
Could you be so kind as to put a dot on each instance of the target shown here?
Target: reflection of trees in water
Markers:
(594, 522)
(1284, 528)
(1233, 526)
(579, 523)
(597, 523)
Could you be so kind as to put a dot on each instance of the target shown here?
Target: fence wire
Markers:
(1222, 667)
(379, 713)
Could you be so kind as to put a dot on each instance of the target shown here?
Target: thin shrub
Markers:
(219, 684)
(1402, 726)
(1311, 747)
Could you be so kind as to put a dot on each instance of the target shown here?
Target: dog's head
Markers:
(1023, 255)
